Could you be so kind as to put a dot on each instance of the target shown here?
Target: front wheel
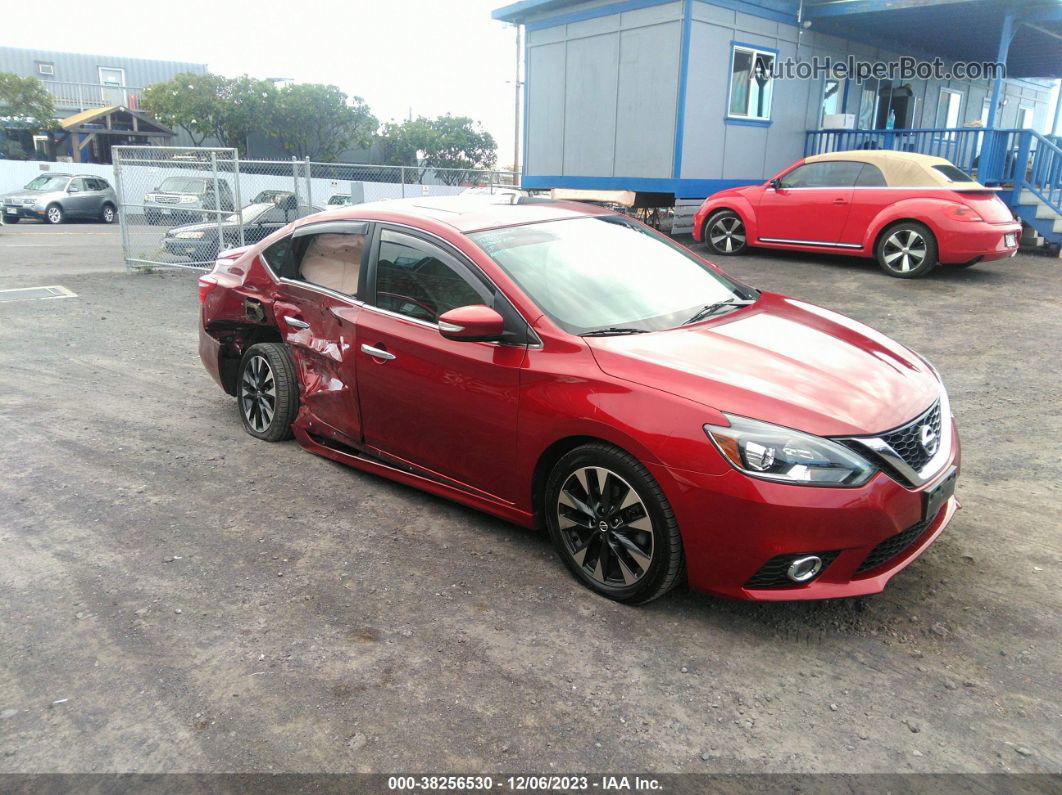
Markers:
(612, 524)
(267, 392)
(724, 233)
(54, 214)
(907, 251)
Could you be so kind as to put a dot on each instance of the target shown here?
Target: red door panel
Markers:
(806, 215)
(446, 406)
(320, 331)
(867, 203)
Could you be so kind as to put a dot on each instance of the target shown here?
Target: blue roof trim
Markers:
(754, 10)
(595, 13)
(682, 188)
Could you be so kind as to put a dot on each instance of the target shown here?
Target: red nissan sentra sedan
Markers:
(564, 367)
(909, 211)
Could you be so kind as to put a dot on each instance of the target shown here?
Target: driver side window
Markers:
(420, 280)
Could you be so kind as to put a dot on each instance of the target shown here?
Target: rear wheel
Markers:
(724, 233)
(267, 392)
(612, 524)
(907, 251)
(108, 214)
(54, 214)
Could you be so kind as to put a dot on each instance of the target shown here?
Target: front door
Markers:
(444, 406)
(808, 205)
(317, 311)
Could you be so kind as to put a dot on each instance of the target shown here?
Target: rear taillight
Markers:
(962, 212)
(206, 285)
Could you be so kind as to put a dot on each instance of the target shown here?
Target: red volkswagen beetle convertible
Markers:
(911, 212)
(563, 367)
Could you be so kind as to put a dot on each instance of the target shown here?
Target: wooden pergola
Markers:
(114, 125)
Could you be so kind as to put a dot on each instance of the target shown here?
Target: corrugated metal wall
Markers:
(84, 68)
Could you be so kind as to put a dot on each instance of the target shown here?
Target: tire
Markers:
(638, 557)
(724, 234)
(906, 251)
(267, 392)
(54, 214)
(108, 214)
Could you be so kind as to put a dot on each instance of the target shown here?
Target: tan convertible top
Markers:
(903, 169)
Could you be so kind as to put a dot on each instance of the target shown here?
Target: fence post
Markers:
(123, 227)
(309, 190)
(217, 201)
(402, 179)
(295, 182)
(239, 199)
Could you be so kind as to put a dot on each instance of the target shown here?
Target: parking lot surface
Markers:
(178, 596)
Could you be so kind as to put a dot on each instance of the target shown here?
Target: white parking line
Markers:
(36, 293)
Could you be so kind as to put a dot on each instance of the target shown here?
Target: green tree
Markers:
(24, 105)
(193, 102)
(446, 142)
(247, 105)
(318, 121)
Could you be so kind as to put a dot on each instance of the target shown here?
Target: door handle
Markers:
(294, 322)
(840, 201)
(377, 353)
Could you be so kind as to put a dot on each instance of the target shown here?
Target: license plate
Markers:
(11, 210)
(1008, 239)
(939, 494)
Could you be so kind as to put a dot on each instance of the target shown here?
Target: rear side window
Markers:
(279, 257)
(333, 260)
(953, 174)
(870, 177)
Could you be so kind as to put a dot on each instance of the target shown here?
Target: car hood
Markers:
(19, 195)
(781, 361)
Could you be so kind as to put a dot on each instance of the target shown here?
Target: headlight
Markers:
(189, 235)
(776, 453)
(150, 197)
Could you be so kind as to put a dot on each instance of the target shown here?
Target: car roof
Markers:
(902, 169)
(465, 213)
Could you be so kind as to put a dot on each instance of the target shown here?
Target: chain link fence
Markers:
(180, 206)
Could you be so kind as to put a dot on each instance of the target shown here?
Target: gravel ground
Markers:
(178, 596)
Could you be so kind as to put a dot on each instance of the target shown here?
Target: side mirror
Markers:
(775, 183)
(476, 323)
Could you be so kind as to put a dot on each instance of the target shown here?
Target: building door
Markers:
(112, 86)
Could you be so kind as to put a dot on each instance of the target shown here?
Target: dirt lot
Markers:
(180, 597)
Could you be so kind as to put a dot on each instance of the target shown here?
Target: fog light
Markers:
(804, 569)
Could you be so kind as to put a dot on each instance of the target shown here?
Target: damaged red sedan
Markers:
(564, 367)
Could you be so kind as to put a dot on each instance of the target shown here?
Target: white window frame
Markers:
(769, 88)
(951, 92)
(46, 68)
(99, 73)
(1022, 110)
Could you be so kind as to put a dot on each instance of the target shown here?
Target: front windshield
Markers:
(46, 182)
(182, 185)
(589, 274)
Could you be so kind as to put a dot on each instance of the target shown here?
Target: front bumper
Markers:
(732, 525)
(22, 211)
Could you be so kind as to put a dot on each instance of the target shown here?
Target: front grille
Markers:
(168, 199)
(892, 546)
(772, 573)
(907, 441)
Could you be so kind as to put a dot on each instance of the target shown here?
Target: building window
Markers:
(46, 68)
(751, 83)
(948, 107)
(831, 99)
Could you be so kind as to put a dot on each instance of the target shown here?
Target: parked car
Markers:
(56, 197)
(340, 200)
(269, 196)
(562, 366)
(909, 211)
(184, 200)
(200, 241)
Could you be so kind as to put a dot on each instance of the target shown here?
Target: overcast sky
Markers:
(431, 56)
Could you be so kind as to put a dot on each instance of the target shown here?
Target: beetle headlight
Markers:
(776, 453)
